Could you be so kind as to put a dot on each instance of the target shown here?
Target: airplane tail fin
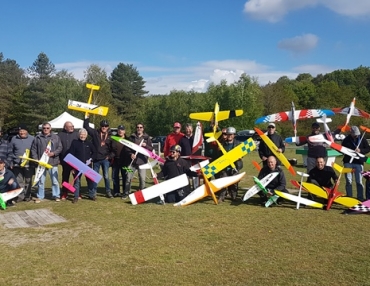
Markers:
(344, 128)
(341, 169)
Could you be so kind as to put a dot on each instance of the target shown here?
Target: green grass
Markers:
(111, 242)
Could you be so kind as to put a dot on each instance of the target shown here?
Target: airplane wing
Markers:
(205, 116)
(313, 113)
(300, 200)
(83, 168)
(280, 116)
(198, 138)
(157, 190)
(138, 148)
(201, 192)
(226, 114)
(356, 111)
(255, 189)
(229, 158)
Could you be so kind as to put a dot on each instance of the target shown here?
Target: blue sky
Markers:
(186, 45)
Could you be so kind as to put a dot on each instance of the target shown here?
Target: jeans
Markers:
(53, 172)
(105, 167)
(77, 185)
(130, 175)
(358, 177)
(24, 179)
(116, 171)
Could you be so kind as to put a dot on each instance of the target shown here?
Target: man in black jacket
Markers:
(103, 144)
(66, 137)
(264, 151)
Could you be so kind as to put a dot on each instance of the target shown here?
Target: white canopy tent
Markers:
(58, 123)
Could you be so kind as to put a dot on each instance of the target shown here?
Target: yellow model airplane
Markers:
(41, 163)
(88, 107)
(215, 117)
(25, 155)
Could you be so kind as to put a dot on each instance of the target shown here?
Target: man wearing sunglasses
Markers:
(38, 148)
(139, 137)
(103, 145)
(264, 151)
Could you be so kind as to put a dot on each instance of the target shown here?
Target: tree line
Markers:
(40, 93)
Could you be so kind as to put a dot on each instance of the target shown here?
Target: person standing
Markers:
(353, 141)
(143, 139)
(229, 144)
(172, 139)
(18, 146)
(121, 158)
(315, 149)
(264, 151)
(67, 135)
(84, 151)
(103, 144)
(5, 149)
(38, 148)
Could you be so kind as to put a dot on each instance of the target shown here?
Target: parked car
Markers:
(159, 139)
(246, 134)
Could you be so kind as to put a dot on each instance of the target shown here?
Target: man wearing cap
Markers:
(172, 139)
(103, 144)
(315, 149)
(121, 158)
(139, 137)
(18, 146)
(38, 148)
(67, 135)
(353, 141)
(175, 166)
(264, 151)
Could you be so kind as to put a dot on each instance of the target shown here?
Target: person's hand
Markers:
(133, 156)
(51, 154)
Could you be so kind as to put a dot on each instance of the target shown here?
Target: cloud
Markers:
(299, 44)
(275, 10)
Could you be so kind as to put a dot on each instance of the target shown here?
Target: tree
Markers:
(127, 88)
(42, 67)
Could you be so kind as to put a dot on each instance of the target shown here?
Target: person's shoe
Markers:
(75, 200)
(10, 204)
(116, 195)
(27, 199)
(57, 199)
(92, 198)
(124, 196)
(79, 197)
(160, 202)
(64, 198)
(37, 201)
(109, 195)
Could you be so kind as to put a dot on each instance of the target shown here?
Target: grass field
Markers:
(111, 242)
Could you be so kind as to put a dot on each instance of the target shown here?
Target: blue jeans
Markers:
(77, 185)
(105, 167)
(116, 171)
(130, 175)
(53, 172)
(358, 177)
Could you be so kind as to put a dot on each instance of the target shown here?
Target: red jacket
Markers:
(171, 139)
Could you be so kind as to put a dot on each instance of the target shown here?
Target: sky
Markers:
(186, 45)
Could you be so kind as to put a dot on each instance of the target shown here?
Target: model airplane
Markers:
(299, 200)
(128, 168)
(303, 175)
(320, 192)
(256, 188)
(158, 190)
(209, 189)
(138, 148)
(83, 168)
(150, 166)
(4, 197)
(274, 149)
(350, 111)
(24, 161)
(215, 117)
(88, 107)
(198, 138)
(294, 115)
(69, 186)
